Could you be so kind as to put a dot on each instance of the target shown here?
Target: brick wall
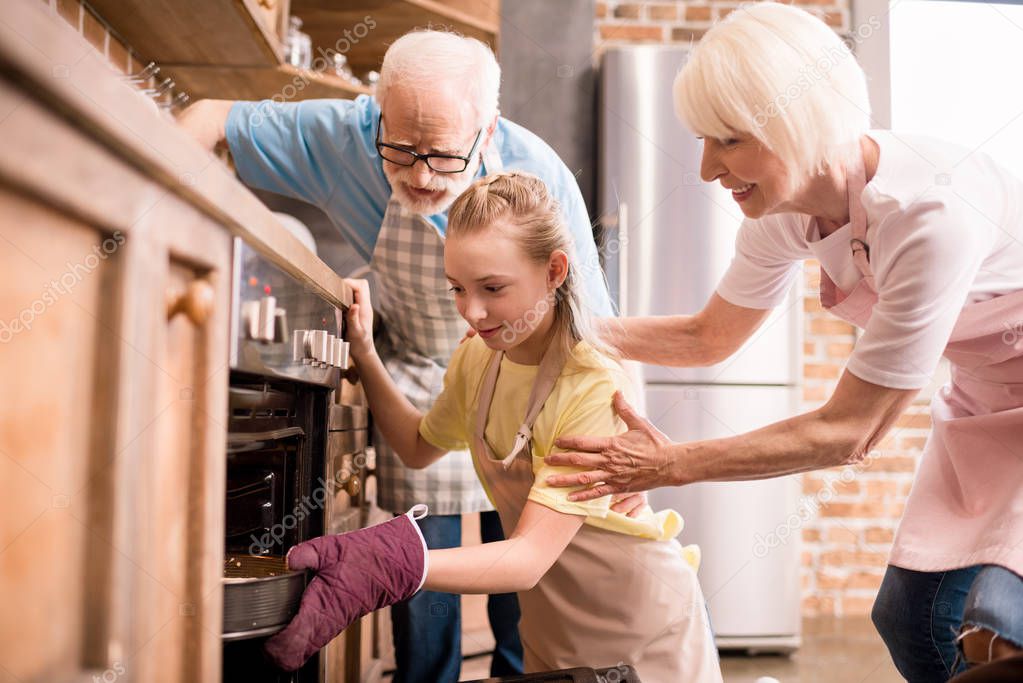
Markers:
(81, 17)
(846, 543)
(852, 511)
(662, 22)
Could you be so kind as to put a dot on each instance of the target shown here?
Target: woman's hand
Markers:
(360, 319)
(637, 460)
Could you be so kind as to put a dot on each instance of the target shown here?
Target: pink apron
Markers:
(966, 504)
(609, 598)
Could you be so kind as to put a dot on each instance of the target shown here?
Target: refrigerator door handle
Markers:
(623, 259)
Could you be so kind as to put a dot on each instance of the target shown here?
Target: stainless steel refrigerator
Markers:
(669, 237)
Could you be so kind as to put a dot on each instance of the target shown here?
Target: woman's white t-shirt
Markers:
(944, 227)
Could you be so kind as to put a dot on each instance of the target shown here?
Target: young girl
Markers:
(596, 587)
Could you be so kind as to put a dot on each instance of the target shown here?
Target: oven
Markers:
(296, 464)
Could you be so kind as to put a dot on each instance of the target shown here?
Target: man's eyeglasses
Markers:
(441, 163)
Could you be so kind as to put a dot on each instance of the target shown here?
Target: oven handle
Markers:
(246, 438)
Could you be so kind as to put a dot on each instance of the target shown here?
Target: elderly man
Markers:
(385, 171)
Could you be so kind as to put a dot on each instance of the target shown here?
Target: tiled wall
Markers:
(850, 514)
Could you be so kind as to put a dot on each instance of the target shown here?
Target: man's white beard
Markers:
(452, 186)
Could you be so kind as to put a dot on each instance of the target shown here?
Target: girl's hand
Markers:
(360, 319)
(629, 504)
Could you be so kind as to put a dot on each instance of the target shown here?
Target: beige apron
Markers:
(966, 504)
(610, 598)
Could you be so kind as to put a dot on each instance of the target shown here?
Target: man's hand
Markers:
(360, 319)
(205, 121)
(638, 460)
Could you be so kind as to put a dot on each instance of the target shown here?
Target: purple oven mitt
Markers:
(356, 573)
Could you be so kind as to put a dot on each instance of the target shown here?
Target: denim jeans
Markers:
(919, 615)
(427, 628)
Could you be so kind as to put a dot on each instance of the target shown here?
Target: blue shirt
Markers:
(323, 152)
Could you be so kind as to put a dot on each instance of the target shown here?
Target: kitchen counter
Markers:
(116, 263)
(66, 75)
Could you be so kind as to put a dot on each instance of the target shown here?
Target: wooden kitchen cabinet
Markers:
(115, 267)
(112, 475)
(186, 291)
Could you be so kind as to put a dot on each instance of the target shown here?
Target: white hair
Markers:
(426, 58)
(781, 75)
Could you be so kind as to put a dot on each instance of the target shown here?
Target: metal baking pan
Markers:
(260, 595)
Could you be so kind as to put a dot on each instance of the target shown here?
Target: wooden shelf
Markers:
(256, 83)
(230, 49)
(223, 49)
(220, 32)
(333, 25)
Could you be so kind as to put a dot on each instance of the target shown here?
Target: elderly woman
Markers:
(921, 245)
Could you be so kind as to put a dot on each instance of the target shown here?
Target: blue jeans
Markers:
(919, 615)
(427, 628)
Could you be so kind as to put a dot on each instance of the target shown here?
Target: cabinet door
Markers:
(59, 316)
(113, 357)
(185, 274)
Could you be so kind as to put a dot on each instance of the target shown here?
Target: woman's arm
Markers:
(842, 431)
(396, 417)
(708, 337)
(515, 564)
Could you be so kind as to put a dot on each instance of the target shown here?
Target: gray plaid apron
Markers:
(420, 332)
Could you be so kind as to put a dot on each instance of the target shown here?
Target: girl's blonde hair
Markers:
(523, 207)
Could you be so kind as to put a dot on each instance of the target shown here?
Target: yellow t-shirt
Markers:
(579, 405)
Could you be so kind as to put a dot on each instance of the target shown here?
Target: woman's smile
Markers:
(743, 192)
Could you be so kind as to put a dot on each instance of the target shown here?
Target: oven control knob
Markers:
(267, 311)
(331, 350)
(299, 346)
(339, 358)
(250, 319)
(280, 324)
(319, 343)
(342, 354)
(259, 319)
(353, 487)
